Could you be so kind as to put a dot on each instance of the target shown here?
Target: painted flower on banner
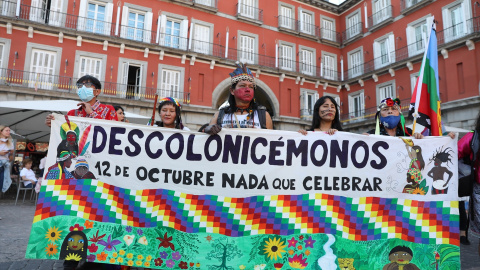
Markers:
(278, 266)
(91, 258)
(297, 262)
(148, 258)
(242, 267)
(76, 227)
(138, 263)
(176, 256)
(128, 229)
(197, 265)
(158, 262)
(92, 248)
(300, 247)
(291, 251)
(307, 252)
(163, 254)
(309, 242)
(259, 266)
(53, 234)
(51, 249)
(121, 252)
(101, 257)
(209, 238)
(96, 237)
(129, 256)
(146, 264)
(110, 244)
(130, 263)
(112, 260)
(88, 224)
(273, 248)
(143, 240)
(139, 232)
(140, 257)
(120, 259)
(165, 242)
(300, 237)
(292, 242)
(128, 239)
(183, 265)
(114, 254)
(170, 263)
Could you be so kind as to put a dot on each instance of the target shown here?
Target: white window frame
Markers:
(355, 69)
(79, 55)
(165, 92)
(416, 46)
(306, 106)
(248, 8)
(57, 12)
(307, 66)
(284, 21)
(249, 56)
(328, 72)
(388, 43)
(207, 3)
(413, 80)
(4, 54)
(83, 20)
(201, 46)
(306, 27)
(460, 29)
(147, 24)
(122, 77)
(46, 81)
(352, 21)
(8, 8)
(356, 98)
(381, 87)
(287, 55)
(380, 12)
(327, 32)
(162, 37)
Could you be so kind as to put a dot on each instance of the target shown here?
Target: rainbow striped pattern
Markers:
(357, 219)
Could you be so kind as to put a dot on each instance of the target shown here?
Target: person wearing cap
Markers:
(82, 170)
(242, 110)
(88, 89)
(170, 113)
(390, 121)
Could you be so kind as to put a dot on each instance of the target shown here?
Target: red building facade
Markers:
(358, 52)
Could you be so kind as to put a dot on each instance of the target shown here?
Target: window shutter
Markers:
(163, 29)
(362, 103)
(376, 54)
(35, 11)
(108, 19)
(82, 15)
(147, 34)
(123, 88)
(350, 106)
(57, 17)
(157, 37)
(123, 31)
(183, 34)
(391, 48)
(303, 104)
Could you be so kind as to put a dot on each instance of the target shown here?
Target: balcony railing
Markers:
(249, 12)
(378, 18)
(407, 6)
(458, 31)
(330, 35)
(352, 32)
(368, 114)
(21, 78)
(308, 28)
(287, 23)
(8, 8)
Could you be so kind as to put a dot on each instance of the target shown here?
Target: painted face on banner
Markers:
(400, 257)
(75, 242)
(81, 170)
(168, 114)
(71, 138)
(327, 110)
(244, 90)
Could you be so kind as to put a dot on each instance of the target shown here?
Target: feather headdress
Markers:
(242, 73)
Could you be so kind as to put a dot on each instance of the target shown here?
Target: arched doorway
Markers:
(263, 94)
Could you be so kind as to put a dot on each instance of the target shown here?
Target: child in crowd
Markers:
(27, 174)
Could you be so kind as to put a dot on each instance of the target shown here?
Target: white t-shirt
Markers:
(29, 174)
(229, 121)
(4, 147)
(42, 163)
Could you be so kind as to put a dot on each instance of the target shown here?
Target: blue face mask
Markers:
(390, 122)
(85, 94)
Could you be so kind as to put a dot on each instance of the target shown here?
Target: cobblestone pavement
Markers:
(17, 220)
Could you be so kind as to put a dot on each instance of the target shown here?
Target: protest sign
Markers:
(246, 199)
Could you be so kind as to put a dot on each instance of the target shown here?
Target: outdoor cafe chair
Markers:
(21, 187)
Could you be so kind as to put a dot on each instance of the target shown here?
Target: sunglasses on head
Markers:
(87, 84)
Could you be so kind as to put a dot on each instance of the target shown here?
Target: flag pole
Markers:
(154, 108)
(418, 86)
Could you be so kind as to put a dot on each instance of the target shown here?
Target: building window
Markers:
(385, 90)
(8, 8)
(287, 56)
(2, 46)
(329, 69)
(247, 44)
(172, 31)
(307, 24)
(204, 2)
(137, 23)
(384, 51)
(381, 11)
(132, 77)
(286, 17)
(95, 17)
(455, 18)
(354, 25)
(356, 104)
(90, 66)
(247, 8)
(355, 63)
(171, 81)
(307, 103)
(417, 35)
(42, 69)
(201, 38)
(413, 81)
(52, 12)
(307, 61)
(328, 29)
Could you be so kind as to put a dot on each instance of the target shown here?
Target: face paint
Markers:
(71, 138)
(245, 94)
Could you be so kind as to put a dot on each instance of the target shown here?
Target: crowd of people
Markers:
(242, 111)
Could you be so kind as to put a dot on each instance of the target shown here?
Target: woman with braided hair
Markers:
(169, 110)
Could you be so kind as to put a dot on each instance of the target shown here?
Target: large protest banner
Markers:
(246, 199)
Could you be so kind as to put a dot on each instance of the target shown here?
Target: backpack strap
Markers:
(262, 116)
(221, 114)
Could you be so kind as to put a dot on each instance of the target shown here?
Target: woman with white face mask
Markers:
(88, 89)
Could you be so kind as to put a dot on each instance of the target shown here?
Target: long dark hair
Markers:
(316, 116)
(418, 149)
(178, 115)
(232, 105)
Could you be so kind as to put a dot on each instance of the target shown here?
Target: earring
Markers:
(82, 248)
(67, 247)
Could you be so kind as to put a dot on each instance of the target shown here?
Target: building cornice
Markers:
(337, 9)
